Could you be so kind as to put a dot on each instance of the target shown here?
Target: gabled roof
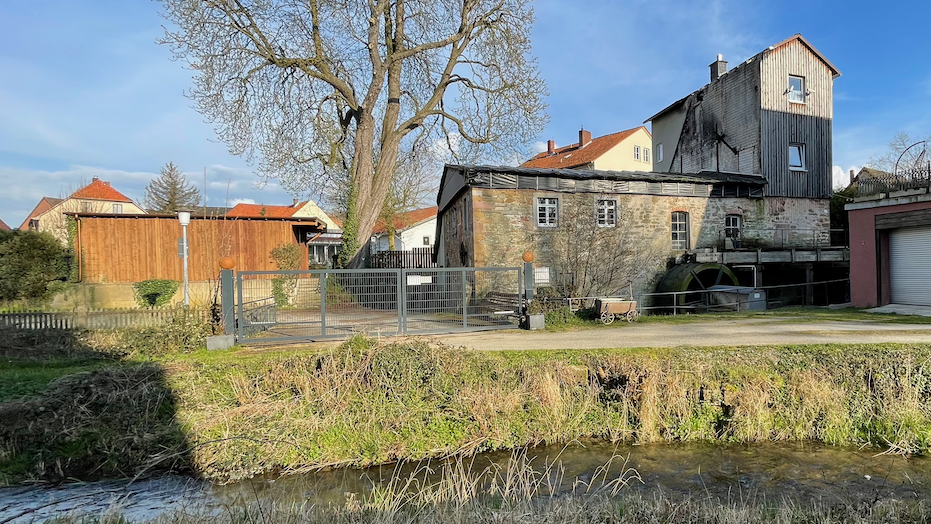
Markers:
(44, 205)
(796, 37)
(3, 226)
(261, 210)
(573, 156)
(100, 190)
(406, 220)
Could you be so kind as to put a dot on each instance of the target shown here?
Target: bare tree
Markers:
(310, 88)
(899, 152)
(601, 260)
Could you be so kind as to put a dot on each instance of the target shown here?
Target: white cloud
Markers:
(539, 147)
(237, 201)
(841, 177)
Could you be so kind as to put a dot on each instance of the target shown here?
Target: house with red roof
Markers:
(322, 246)
(628, 150)
(413, 229)
(3, 226)
(97, 197)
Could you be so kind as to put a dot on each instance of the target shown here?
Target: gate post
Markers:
(465, 301)
(528, 275)
(227, 302)
(323, 290)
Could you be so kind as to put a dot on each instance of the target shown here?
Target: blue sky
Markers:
(85, 90)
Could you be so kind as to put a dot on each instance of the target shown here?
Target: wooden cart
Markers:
(609, 309)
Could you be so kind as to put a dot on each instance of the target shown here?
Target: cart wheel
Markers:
(632, 315)
(607, 318)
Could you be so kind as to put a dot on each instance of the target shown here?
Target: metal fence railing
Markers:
(879, 182)
(333, 303)
(718, 300)
(97, 319)
(418, 257)
(781, 238)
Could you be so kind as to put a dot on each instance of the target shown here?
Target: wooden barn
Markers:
(133, 248)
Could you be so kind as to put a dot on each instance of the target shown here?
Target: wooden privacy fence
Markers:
(419, 257)
(99, 319)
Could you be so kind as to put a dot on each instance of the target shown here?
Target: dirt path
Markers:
(731, 332)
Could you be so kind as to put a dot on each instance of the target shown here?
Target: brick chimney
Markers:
(853, 176)
(718, 68)
(585, 137)
(551, 147)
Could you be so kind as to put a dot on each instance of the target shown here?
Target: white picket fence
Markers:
(96, 319)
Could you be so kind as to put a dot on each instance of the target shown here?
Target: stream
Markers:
(800, 471)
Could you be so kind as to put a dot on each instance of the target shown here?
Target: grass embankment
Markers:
(231, 415)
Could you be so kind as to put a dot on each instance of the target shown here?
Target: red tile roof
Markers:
(573, 156)
(261, 210)
(406, 219)
(3, 226)
(100, 190)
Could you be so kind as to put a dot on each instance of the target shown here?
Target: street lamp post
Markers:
(185, 218)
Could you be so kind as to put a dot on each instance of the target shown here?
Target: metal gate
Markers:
(281, 306)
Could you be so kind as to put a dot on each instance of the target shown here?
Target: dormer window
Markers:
(797, 89)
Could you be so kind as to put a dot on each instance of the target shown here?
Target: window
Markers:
(606, 213)
(659, 152)
(732, 226)
(117, 208)
(34, 224)
(85, 207)
(680, 230)
(797, 157)
(426, 241)
(797, 89)
(547, 211)
(636, 152)
(646, 155)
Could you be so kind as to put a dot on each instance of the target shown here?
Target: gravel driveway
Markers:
(727, 332)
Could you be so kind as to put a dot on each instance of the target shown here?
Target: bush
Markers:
(29, 263)
(183, 333)
(155, 292)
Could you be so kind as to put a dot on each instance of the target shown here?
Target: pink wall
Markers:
(863, 253)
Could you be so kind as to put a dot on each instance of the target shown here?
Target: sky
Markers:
(86, 91)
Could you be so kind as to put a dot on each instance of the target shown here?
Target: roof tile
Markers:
(261, 210)
(573, 156)
(100, 190)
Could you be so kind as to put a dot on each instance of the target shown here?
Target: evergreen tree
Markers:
(170, 191)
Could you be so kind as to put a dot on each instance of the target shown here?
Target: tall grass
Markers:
(243, 414)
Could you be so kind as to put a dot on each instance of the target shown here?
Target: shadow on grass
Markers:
(72, 408)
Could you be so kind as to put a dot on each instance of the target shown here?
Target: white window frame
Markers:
(86, 207)
(636, 152)
(732, 225)
(426, 241)
(679, 221)
(659, 152)
(800, 96)
(646, 155)
(801, 153)
(117, 208)
(606, 212)
(547, 212)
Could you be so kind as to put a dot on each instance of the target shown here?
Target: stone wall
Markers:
(638, 248)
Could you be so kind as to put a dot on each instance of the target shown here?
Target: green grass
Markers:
(233, 414)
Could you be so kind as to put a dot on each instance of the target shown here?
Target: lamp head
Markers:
(184, 217)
